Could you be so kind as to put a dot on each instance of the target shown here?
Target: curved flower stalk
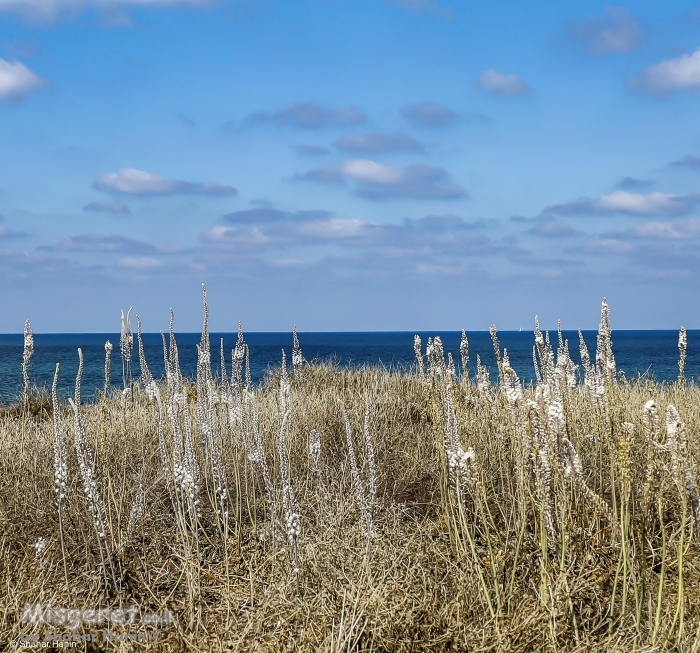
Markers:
(290, 506)
(574, 471)
(543, 474)
(297, 356)
(371, 464)
(88, 472)
(357, 483)
(257, 456)
(154, 396)
(126, 347)
(60, 466)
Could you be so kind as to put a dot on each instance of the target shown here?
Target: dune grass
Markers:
(501, 518)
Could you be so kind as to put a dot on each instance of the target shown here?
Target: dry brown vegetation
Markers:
(505, 519)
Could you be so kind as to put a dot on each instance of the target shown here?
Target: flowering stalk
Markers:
(126, 347)
(683, 351)
(60, 465)
(27, 357)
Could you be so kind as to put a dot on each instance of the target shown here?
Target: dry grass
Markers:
(411, 586)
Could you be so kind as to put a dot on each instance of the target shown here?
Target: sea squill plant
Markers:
(297, 356)
(154, 396)
(358, 485)
(464, 355)
(315, 447)
(435, 353)
(371, 463)
(574, 470)
(126, 347)
(605, 360)
(483, 382)
(496, 348)
(257, 456)
(88, 472)
(108, 365)
(60, 466)
(417, 348)
(543, 481)
(206, 399)
(683, 352)
(26, 358)
(290, 506)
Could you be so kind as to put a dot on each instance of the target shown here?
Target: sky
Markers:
(349, 165)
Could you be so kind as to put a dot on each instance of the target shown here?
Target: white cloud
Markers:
(16, 80)
(378, 142)
(670, 75)
(131, 181)
(430, 114)
(677, 230)
(622, 201)
(139, 263)
(618, 32)
(117, 208)
(379, 181)
(310, 115)
(501, 84)
(688, 161)
(45, 10)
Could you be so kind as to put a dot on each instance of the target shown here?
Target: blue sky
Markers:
(349, 165)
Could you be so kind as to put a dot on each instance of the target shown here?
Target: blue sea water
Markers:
(652, 353)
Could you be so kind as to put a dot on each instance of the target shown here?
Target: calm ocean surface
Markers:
(653, 353)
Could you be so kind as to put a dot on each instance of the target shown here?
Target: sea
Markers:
(651, 354)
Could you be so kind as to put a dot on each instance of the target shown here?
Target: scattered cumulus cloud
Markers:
(268, 229)
(377, 181)
(310, 150)
(670, 75)
(603, 247)
(430, 114)
(47, 10)
(677, 230)
(139, 263)
(310, 115)
(16, 81)
(111, 243)
(500, 84)
(617, 32)
(268, 214)
(378, 143)
(552, 229)
(622, 201)
(117, 207)
(688, 161)
(631, 183)
(9, 233)
(130, 181)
